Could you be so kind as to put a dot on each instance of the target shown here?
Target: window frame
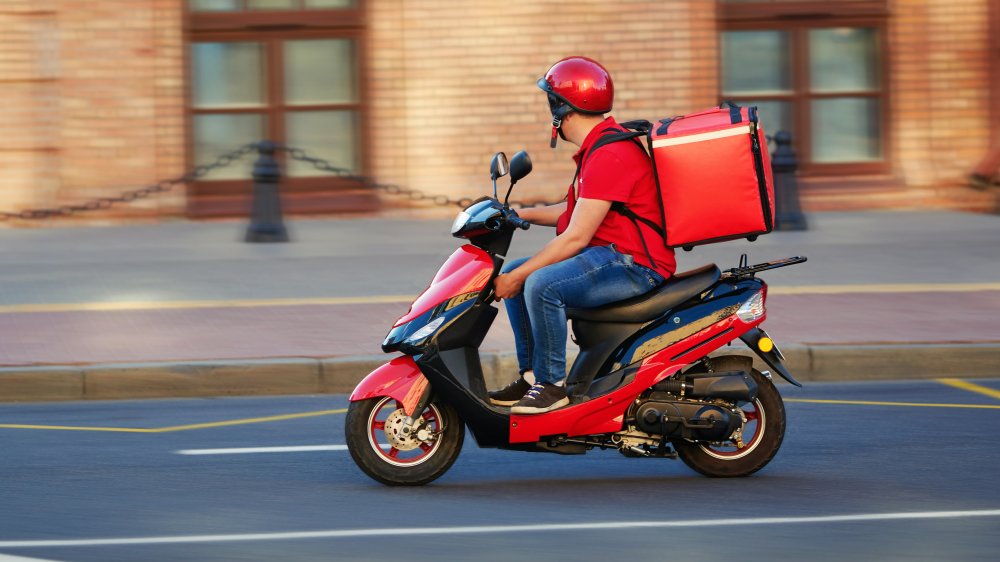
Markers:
(797, 18)
(272, 28)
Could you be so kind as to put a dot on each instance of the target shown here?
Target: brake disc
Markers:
(401, 440)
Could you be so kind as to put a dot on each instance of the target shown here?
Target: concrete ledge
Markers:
(201, 378)
(38, 384)
(861, 362)
(341, 374)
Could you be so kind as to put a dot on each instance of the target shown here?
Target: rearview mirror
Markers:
(520, 166)
(499, 166)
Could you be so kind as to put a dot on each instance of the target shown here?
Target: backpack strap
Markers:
(621, 209)
(606, 139)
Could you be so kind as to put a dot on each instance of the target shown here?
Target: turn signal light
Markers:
(753, 309)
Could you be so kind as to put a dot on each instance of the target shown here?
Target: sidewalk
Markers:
(187, 309)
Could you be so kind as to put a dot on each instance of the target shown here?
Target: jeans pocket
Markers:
(624, 258)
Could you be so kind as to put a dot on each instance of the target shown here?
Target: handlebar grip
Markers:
(519, 223)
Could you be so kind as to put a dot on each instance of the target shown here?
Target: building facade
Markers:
(891, 103)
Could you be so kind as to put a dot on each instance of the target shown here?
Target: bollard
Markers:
(266, 224)
(787, 212)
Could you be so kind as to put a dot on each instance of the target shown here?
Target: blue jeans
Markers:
(596, 276)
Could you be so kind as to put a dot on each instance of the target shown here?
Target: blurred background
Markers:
(891, 103)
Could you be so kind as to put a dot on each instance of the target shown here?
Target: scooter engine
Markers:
(687, 419)
(687, 408)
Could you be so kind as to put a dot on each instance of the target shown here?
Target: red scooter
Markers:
(643, 382)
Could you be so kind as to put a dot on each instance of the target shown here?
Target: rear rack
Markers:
(746, 271)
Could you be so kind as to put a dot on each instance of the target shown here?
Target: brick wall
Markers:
(941, 88)
(92, 94)
(451, 86)
(92, 100)
(29, 101)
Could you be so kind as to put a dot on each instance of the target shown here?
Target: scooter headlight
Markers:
(460, 221)
(753, 309)
(427, 330)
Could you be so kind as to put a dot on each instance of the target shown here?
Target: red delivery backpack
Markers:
(713, 174)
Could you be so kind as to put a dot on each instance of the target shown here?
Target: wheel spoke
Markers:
(379, 425)
(752, 415)
(426, 447)
(394, 453)
(428, 415)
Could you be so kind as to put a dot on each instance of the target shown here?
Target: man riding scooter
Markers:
(607, 246)
(644, 382)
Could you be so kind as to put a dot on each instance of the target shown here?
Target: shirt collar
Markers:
(593, 135)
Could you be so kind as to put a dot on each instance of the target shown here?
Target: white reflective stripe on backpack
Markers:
(702, 136)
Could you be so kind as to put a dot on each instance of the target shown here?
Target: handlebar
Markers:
(519, 223)
(512, 218)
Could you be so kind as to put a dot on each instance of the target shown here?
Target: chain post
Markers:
(787, 212)
(266, 223)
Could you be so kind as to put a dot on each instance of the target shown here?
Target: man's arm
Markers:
(587, 217)
(543, 216)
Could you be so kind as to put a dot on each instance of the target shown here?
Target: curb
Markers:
(327, 375)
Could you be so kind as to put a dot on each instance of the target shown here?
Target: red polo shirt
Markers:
(621, 171)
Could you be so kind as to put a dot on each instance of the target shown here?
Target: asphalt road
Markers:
(899, 481)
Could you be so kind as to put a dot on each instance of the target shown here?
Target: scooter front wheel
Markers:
(389, 451)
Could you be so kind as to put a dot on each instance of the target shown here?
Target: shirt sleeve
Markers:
(607, 178)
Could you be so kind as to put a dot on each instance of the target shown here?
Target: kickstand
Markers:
(663, 451)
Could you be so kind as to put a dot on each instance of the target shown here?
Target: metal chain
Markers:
(129, 196)
(233, 156)
(392, 189)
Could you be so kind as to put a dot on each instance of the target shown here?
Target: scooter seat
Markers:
(672, 292)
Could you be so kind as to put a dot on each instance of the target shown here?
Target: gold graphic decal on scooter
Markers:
(687, 330)
(455, 301)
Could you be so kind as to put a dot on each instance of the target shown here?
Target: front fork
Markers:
(414, 421)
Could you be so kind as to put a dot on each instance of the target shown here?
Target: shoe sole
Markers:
(503, 402)
(535, 410)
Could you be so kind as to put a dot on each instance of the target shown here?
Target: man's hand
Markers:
(508, 285)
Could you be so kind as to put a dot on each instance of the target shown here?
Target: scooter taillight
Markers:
(753, 309)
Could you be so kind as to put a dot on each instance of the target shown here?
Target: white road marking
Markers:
(491, 529)
(248, 450)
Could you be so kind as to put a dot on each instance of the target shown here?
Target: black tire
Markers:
(757, 451)
(416, 466)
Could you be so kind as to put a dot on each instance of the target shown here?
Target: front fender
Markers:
(400, 379)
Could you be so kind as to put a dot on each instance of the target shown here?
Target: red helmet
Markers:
(577, 84)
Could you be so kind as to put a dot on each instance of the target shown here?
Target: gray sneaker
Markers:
(541, 398)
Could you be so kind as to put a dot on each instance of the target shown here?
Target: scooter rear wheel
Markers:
(762, 433)
(375, 435)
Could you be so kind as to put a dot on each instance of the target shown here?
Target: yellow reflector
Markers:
(765, 345)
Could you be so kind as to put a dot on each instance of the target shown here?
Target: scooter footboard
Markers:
(399, 379)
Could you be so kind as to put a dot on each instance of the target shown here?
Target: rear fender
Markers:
(400, 379)
(773, 358)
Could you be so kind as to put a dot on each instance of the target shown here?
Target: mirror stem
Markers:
(511, 188)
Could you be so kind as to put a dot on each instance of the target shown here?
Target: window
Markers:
(819, 76)
(284, 70)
